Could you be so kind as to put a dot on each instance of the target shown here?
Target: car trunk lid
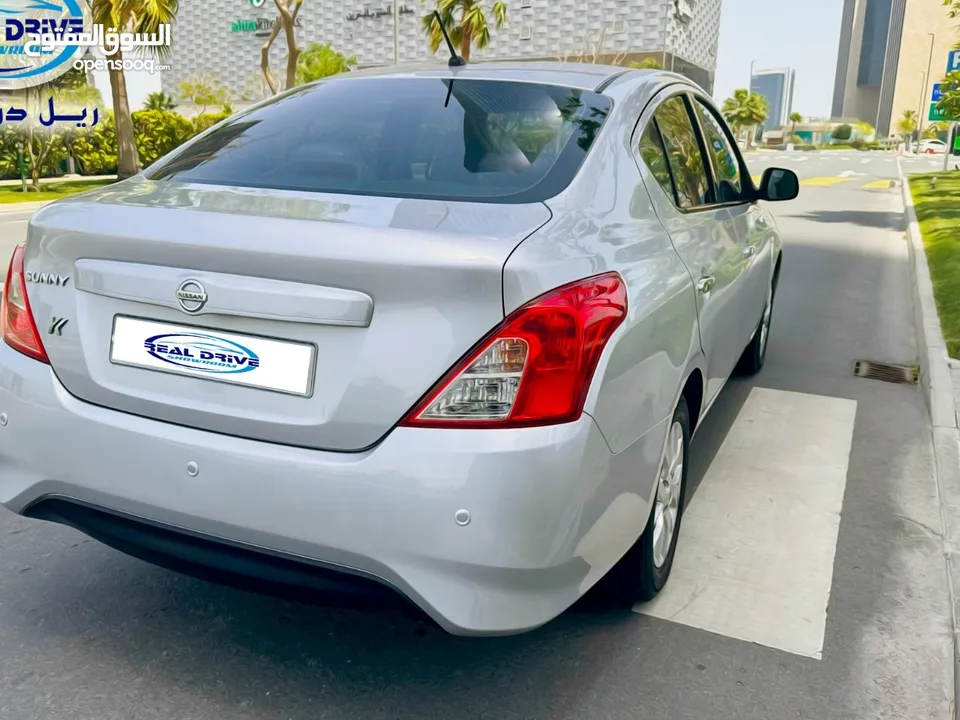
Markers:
(304, 319)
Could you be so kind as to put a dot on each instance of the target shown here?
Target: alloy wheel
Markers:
(669, 490)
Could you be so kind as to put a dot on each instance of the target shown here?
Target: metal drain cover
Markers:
(902, 374)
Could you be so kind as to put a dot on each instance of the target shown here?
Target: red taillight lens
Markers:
(19, 329)
(536, 367)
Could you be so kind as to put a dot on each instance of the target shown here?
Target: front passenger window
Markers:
(683, 154)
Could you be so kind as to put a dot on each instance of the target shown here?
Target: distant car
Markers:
(931, 147)
(443, 330)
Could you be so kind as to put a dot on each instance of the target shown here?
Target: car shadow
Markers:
(879, 219)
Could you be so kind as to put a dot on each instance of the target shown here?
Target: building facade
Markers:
(776, 86)
(891, 52)
(223, 38)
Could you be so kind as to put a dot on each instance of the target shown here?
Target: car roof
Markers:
(582, 76)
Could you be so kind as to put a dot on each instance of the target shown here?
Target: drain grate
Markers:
(902, 374)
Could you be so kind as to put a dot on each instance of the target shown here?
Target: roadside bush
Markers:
(158, 132)
(9, 141)
(858, 144)
(95, 152)
(805, 148)
(842, 132)
(207, 120)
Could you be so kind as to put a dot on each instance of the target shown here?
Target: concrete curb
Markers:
(936, 379)
(12, 208)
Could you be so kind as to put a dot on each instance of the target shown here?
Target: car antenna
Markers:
(455, 60)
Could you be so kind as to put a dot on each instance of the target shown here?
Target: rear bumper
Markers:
(551, 509)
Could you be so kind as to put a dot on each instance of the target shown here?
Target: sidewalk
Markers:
(47, 181)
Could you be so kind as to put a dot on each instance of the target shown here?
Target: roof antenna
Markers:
(455, 60)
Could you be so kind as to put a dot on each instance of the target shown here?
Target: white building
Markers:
(223, 38)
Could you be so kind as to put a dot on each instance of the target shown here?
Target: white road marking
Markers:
(757, 544)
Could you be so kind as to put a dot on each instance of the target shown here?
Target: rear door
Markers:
(702, 231)
(749, 220)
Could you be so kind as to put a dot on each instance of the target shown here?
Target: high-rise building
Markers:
(891, 53)
(776, 85)
(224, 37)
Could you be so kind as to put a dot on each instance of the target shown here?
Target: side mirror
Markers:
(778, 184)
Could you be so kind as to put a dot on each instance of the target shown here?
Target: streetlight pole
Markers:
(926, 82)
(396, 32)
(749, 94)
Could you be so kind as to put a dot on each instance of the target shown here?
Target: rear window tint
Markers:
(432, 138)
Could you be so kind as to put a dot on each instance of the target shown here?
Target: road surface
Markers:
(835, 605)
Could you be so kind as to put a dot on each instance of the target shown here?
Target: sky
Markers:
(803, 36)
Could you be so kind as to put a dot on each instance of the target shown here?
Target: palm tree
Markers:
(906, 125)
(466, 22)
(908, 121)
(794, 118)
(159, 101)
(136, 16)
(744, 109)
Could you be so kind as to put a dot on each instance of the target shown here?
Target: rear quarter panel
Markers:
(605, 221)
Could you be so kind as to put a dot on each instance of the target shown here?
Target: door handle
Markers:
(705, 285)
(749, 251)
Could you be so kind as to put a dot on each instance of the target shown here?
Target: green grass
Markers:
(49, 191)
(939, 214)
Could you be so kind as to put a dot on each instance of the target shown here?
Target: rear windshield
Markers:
(431, 138)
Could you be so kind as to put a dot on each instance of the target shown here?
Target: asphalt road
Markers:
(87, 633)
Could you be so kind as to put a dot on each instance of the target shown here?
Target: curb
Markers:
(936, 379)
(13, 208)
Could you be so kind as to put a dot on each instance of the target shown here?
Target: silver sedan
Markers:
(441, 331)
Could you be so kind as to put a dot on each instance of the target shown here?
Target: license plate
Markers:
(255, 362)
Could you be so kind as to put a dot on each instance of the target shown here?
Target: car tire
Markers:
(644, 570)
(755, 354)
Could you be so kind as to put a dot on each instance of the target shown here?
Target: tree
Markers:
(319, 61)
(744, 109)
(288, 11)
(159, 101)
(842, 132)
(647, 64)
(466, 23)
(949, 103)
(203, 90)
(135, 16)
(908, 122)
(794, 118)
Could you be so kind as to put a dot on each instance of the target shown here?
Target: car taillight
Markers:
(535, 368)
(19, 329)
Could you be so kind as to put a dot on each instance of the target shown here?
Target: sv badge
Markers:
(57, 325)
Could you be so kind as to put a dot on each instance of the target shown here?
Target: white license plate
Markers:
(255, 362)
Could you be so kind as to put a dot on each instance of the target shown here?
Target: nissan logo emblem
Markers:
(191, 296)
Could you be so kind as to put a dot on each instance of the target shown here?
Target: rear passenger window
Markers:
(726, 168)
(683, 154)
(655, 157)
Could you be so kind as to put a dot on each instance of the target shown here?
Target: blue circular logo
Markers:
(24, 62)
(206, 353)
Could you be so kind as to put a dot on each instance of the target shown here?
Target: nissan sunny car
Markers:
(445, 331)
